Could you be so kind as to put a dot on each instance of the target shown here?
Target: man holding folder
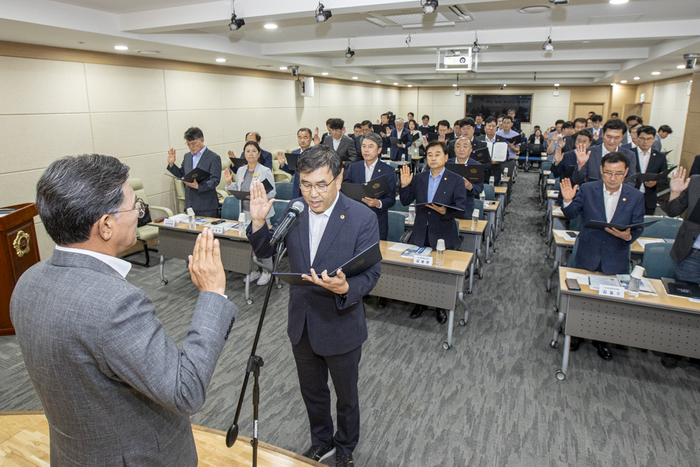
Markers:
(326, 324)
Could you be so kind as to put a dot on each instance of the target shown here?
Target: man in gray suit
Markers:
(201, 197)
(342, 144)
(115, 387)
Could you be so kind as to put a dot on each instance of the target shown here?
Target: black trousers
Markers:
(313, 381)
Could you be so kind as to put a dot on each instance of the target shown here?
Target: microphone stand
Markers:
(254, 364)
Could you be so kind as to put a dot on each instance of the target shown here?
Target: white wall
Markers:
(49, 109)
(670, 107)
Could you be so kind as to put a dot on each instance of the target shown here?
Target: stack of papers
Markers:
(644, 286)
(414, 250)
(597, 281)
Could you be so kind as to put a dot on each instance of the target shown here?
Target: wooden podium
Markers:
(19, 251)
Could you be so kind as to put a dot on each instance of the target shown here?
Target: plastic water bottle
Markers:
(505, 172)
(411, 212)
(475, 219)
(241, 224)
(191, 219)
(403, 157)
(482, 196)
(440, 255)
(635, 280)
(491, 180)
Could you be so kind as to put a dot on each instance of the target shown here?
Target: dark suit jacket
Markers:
(657, 164)
(356, 174)
(266, 156)
(358, 145)
(204, 198)
(495, 169)
(346, 148)
(598, 249)
(695, 169)
(688, 231)
(569, 143)
(397, 152)
(116, 389)
(429, 223)
(628, 146)
(335, 324)
(592, 168)
(476, 190)
(296, 191)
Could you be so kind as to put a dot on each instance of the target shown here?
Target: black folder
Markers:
(379, 129)
(195, 174)
(514, 140)
(650, 177)
(415, 136)
(681, 288)
(375, 188)
(242, 194)
(291, 160)
(440, 204)
(404, 139)
(473, 173)
(600, 225)
(434, 136)
(482, 155)
(357, 265)
(237, 163)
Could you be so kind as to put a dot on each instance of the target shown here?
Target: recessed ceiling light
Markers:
(221, 60)
(148, 52)
(355, 77)
(623, 81)
(325, 73)
(556, 85)
(504, 85)
(636, 78)
(655, 73)
(121, 47)
(396, 84)
(378, 81)
(618, 2)
(454, 85)
(270, 26)
(681, 67)
(410, 85)
(533, 10)
(283, 68)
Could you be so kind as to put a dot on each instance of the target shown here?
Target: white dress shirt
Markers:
(644, 158)
(336, 144)
(610, 200)
(119, 265)
(317, 225)
(368, 174)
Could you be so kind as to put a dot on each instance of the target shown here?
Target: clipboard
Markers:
(600, 225)
(195, 174)
(473, 173)
(291, 160)
(375, 188)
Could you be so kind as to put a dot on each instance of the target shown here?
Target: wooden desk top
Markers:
(456, 262)
(551, 181)
(233, 233)
(505, 179)
(24, 440)
(557, 212)
(465, 225)
(546, 172)
(491, 206)
(552, 194)
(661, 300)
(500, 190)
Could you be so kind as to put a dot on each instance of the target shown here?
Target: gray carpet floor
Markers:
(491, 400)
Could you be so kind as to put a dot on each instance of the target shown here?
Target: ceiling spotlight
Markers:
(283, 68)
(636, 78)
(325, 73)
(321, 14)
(655, 73)
(623, 81)
(559, 2)
(221, 60)
(236, 23)
(349, 53)
(504, 85)
(429, 6)
(618, 2)
(548, 46)
(121, 47)
(409, 85)
(454, 85)
(690, 60)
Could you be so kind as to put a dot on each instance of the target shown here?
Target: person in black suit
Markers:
(201, 197)
(596, 129)
(649, 160)
(326, 323)
(566, 163)
(265, 156)
(356, 137)
(463, 149)
(425, 128)
(340, 143)
(570, 139)
(695, 168)
(632, 135)
(304, 138)
(369, 169)
(434, 221)
(516, 123)
(478, 125)
(488, 139)
(588, 168)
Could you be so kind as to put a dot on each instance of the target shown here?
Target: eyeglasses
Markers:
(645, 138)
(320, 187)
(611, 175)
(140, 206)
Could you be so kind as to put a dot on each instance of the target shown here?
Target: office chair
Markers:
(657, 261)
(284, 190)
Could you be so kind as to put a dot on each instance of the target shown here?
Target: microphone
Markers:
(284, 226)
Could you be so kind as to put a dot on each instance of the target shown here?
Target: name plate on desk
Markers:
(221, 228)
(611, 291)
(170, 222)
(424, 260)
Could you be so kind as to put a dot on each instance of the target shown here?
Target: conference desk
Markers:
(437, 286)
(492, 209)
(178, 242)
(473, 238)
(661, 323)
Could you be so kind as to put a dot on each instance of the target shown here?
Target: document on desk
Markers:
(597, 281)
(644, 286)
(400, 247)
(557, 210)
(643, 242)
(580, 278)
(414, 250)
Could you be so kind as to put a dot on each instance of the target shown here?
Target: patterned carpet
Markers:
(491, 400)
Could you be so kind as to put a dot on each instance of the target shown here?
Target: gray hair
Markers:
(74, 192)
(319, 156)
(375, 138)
(399, 120)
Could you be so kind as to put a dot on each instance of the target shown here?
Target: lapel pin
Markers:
(445, 178)
(342, 216)
(624, 199)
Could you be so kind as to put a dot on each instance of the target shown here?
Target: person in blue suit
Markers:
(434, 221)
(463, 149)
(607, 200)
(369, 169)
(588, 168)
(400, 149)
(304, 139)
(326, 323)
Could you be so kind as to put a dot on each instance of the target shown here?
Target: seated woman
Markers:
(463, 149)
(414, 150)
(434, 221)
(244, 177)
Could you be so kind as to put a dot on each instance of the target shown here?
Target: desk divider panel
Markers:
(418, 285)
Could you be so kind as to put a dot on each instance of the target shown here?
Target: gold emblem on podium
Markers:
(21, 243)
